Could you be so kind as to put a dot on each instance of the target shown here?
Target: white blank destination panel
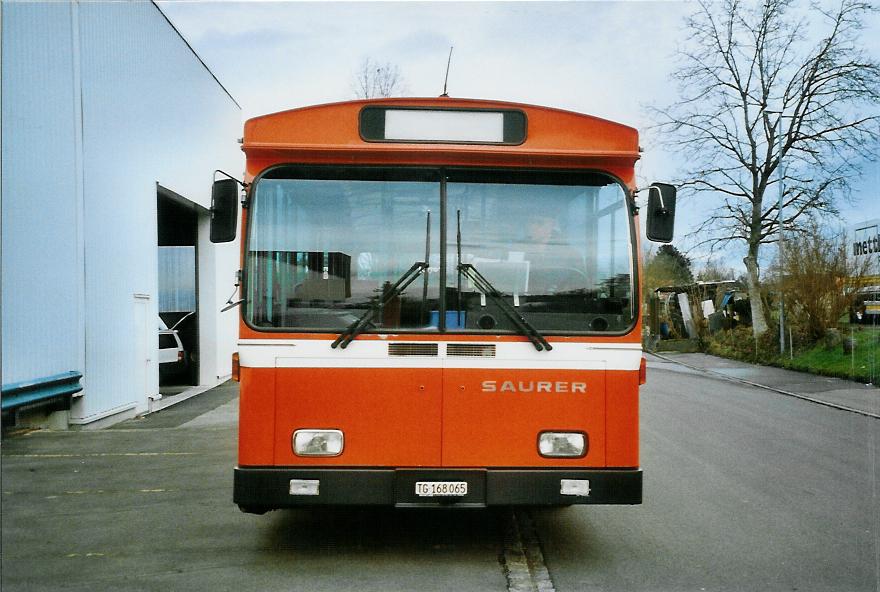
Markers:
(448, 126)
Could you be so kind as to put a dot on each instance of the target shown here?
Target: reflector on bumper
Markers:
(304, 486)
(579, 487)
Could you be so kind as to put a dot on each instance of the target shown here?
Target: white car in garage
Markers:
(172, 356)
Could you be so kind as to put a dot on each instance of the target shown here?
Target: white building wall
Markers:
(219, 339)
(42, 326)
(865, 228)
(151, 113)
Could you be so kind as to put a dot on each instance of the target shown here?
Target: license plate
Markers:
(441, 488)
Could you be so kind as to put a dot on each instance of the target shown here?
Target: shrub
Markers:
(819, 282)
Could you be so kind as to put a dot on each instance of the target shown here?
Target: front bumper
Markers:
(266, 488)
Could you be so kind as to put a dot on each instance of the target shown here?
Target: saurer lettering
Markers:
(533, 386)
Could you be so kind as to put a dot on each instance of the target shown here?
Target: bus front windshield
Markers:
(325, 246)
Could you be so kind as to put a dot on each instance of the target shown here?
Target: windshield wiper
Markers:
(357, 327)
(391, 292)
(486, 287)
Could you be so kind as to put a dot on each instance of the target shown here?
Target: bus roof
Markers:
(331, 134)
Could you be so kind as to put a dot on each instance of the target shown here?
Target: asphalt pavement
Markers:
(147, 505)
(745, 489)
(845, 394)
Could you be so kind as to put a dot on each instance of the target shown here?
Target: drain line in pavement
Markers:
(522, 558)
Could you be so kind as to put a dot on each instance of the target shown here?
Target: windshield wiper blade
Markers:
(486, 287)
(357, 327)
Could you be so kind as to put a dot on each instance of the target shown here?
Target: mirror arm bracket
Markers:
(633, 203)
(662, 211)
(244, 186)
(225, 174)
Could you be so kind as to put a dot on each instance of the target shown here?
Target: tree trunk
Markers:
(759, 321)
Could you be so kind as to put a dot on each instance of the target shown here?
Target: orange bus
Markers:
(440, 305)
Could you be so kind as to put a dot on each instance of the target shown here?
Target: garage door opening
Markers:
(178, 292)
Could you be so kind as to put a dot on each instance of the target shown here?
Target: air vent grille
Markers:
(412, 349)
(469, 350)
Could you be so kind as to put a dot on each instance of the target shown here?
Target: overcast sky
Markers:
(608, 59)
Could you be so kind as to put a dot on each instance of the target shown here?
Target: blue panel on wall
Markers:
(177, 279)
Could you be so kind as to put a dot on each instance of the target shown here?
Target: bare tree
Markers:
(373, 79)
(714, 271)
(760, 88)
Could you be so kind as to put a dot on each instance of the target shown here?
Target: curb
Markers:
(168, 400)
(768, 388)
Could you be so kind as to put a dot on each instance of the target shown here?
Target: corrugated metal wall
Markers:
(177, 279)
(150, 113)
(42, 263)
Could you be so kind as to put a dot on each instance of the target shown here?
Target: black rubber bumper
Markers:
(267, 488)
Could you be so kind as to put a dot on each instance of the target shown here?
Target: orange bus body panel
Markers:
(328, 128)
(256, 417)
(390, 416)
(622, 418)
(487, 428)
(324, 135)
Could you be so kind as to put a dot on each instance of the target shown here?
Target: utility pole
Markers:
(780, 219)
(781, 240)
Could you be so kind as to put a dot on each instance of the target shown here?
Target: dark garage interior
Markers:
(178, 286)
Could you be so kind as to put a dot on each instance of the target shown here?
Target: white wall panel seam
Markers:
(79, 195)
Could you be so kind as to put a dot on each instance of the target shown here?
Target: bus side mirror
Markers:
(660, 225)
(224, 210)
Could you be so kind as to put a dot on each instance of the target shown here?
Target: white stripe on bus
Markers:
(310, 353)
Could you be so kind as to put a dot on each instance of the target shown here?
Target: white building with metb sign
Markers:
(864, 248)
(865, 245)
